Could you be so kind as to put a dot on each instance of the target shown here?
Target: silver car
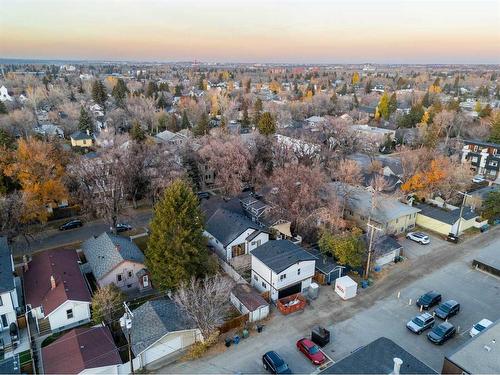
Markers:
(419, 237)
(420, 323)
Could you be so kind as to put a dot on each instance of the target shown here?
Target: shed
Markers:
(248, 301)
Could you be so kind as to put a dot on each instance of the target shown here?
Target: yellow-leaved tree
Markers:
(36, 166)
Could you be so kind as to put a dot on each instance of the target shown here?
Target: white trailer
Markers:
(346, 287)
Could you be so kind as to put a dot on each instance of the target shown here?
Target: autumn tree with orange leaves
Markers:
(37, 167)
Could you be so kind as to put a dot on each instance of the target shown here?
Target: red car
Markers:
(311, 351)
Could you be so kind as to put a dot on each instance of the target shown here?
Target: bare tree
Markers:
(348, 173)
(205, 301)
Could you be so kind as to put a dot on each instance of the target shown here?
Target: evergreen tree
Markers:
(3, 108)
(223, 125)
(120, 92)
(426, 100)
(267, 124)
(173, 126)
(257, 111)
(368, 86)
(161, 103)
(245, 121)
(137, 133)
(85, 123)
(185, 124)
(99, 94)
(202, 127)
(176, 249)
(495, 129)
(393, 103)
(356, 101)
(343, 90)
(151, 89)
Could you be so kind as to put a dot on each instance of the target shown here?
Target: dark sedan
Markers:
(429, 299)
(447, 309)
(273, 363)
(122, 227)
(72, 224)
(441, 333)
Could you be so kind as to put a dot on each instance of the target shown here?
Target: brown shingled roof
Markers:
(80, 349)
(63, 266)
(249, 297)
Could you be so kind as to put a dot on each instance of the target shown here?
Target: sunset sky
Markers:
(306, 31)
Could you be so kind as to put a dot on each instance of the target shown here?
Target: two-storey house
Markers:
(484, 158)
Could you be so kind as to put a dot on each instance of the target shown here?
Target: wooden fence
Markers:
(239, 321)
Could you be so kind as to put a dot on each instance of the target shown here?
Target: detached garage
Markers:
(386, 249)
(160, 331)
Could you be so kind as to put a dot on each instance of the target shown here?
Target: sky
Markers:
(280, 31)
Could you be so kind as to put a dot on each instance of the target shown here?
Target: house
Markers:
(82, 139)
(388, 214)
(444, 221)
(327, 270)
(282, 268)
(168, 137)
(386, 249)
(160, 330)
(4, 94)
(232, 234)
(475, 198)
(116, 260)
(50, 130)
(300, 148)
(374, 134)
(382, 356)
(81, 349)
(248, 301)
(8, 294)
(55, 290)
(484, 157)
(479, 355)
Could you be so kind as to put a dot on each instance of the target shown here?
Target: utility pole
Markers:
(126, 322)
(370, 246)
(461, 211)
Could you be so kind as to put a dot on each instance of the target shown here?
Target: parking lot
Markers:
(375, 312)
(477, 292)
(412, 249)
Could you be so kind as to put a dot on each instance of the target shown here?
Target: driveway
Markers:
(375, 312)
(412, 249)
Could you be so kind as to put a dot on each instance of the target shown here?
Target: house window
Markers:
(145, 281)
(298, 271)
(493, 163)
(129, 285)
(118, 278)
(264, 285)
(474, 159)
(1, 302)
(397, 221)
(255, 278)
(129, 273)
(69, 314)
(5, 323)
(362, 218)
(283, 277)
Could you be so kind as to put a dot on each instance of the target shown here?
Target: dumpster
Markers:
(313, 290)
(320, 336)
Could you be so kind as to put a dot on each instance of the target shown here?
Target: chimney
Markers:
(88, 132)
(52, 282)
(397, 365)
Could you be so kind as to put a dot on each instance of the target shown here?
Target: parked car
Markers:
(122, 227)
(429, 299)
(72, 224)
(441, 333)
(447, 309)
(419, 237)
(480, 327)
(311, 351)
(420, 323)
(478, 179)
(273, 363)
(452, 237)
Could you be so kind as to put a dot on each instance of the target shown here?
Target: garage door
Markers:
(386, 259)
(296, 288)
(162, 349)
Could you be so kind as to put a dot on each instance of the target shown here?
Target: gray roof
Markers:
(484, 191)
(78, 135)
(153, 320)
(107, 251)
(378, 358)
(474, 358)
(443, 215)
(385, 244)
(226, 225)
(324, 264)
(278, 255)
(6, 271)
(360, 202)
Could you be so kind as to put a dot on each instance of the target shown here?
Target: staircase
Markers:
(44, 327)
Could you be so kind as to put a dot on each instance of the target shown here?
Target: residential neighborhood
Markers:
(230, 188)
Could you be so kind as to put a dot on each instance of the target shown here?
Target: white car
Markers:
(478, 179)
(419, 237)
(479, 327)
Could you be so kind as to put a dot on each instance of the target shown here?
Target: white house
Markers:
(232, 234)
(160, 331)
(8, 295)
(248, 301)
(55, 290)
(282, 268)
(4, 94)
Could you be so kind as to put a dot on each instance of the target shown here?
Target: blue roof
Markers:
(278, 255)
(6, 271)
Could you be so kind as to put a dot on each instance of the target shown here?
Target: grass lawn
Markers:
(24, 357)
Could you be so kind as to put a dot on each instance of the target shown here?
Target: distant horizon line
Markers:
(28, 60)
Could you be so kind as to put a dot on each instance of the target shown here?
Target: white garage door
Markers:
(387, 258)
(162, 349)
